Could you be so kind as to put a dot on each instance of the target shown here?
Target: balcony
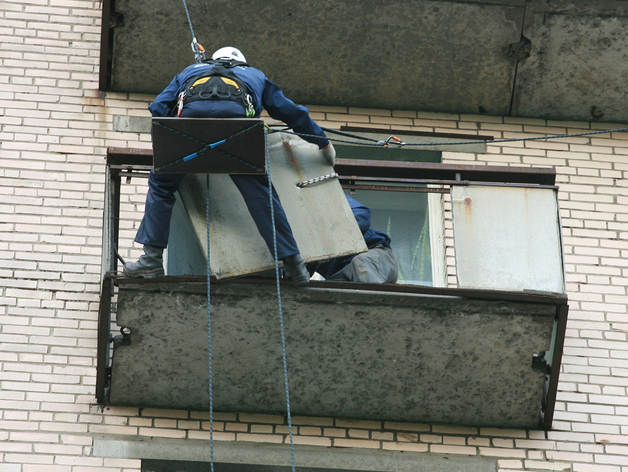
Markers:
(484, 353)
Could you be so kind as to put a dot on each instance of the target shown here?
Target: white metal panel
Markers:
(507, 238)
(321, 219)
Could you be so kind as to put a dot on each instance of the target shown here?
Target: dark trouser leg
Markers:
(376, 266)
(155, 227)
(254, 190)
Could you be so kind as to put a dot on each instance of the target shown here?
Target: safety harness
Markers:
(218, 83)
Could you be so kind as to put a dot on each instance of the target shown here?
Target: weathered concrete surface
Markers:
(578, 63)
(428, 55)
(241, 457)
(550, 59)
(368, 355)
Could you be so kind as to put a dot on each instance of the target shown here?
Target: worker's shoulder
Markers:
(194, 70)
(248, 71)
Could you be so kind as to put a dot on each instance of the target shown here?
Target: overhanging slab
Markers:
(352, 353)
(559, 59)
(393, 54)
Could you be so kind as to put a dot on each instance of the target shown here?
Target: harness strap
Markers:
(218, 83)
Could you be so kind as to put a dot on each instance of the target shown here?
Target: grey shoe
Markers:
(149, 265)
(296, 270)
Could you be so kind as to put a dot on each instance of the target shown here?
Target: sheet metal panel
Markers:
(507, 238)
(321, 219)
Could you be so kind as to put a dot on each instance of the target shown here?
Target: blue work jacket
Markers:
(362, 215)
(372, 238)
(266, 95)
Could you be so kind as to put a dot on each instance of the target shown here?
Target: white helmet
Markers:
(229, 53)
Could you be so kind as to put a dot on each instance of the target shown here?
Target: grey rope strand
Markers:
(492, 141)
(209, 337)
(187, 13)
(199, 52)
(281, 324)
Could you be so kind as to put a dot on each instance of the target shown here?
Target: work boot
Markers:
(149, 265)
(295, 269)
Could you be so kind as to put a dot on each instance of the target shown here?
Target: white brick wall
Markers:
(54, 129)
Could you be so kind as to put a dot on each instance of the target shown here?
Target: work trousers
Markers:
(377, 266)
(155, 227)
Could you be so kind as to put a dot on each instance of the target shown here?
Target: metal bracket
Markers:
(539, 362)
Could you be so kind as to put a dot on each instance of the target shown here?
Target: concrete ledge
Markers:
(131, 124)
(365, 355)
(133, 447)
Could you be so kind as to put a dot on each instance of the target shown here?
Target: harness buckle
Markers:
(250, 109)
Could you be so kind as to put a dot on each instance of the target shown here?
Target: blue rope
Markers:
(492, 141)
(209, 337)
(281, 323)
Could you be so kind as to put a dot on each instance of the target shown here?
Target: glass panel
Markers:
(404, 217)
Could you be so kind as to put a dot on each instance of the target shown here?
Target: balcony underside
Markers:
(389, 352)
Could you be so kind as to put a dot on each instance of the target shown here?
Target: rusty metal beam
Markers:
(561, 314)
(389, 169)
(104, 322)
(558, 299)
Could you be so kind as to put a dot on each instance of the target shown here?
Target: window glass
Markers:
(404, 216)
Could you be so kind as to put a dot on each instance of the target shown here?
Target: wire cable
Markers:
(387, 143)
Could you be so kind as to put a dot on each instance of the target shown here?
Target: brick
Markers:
(312, 421)
(359, 443)
(46, 468)
(264, 438)
(408, 447)
(309, 431)
(29, 458)
(578, 467)
(406, 426)
(500, 452)
(382, 436)
(261, 428)
(162, 433)
(256, 418)
(312, 441)
(446, 449)
(218, 436)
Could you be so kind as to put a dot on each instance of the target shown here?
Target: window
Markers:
(408, 218)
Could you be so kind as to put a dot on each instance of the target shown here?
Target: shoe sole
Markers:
(145, 275)
(300, 280)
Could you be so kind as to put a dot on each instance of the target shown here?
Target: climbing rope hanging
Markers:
(281, 323)
(199, 55)
(209, 337)
(199, 51)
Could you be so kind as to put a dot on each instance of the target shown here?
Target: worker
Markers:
(225, 87)
(378, 265)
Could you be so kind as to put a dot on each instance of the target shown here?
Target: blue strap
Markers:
(196, 154)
